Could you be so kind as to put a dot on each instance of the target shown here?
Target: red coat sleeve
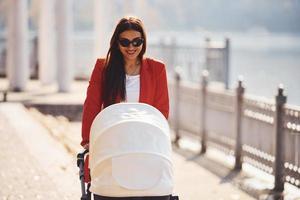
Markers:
(93, 102)
(161, 97)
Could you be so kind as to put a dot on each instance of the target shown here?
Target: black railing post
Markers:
(203, 113)
(226, 62)
(5, 92)
(169, 53)
(279, 141)
(207, 54)
(177, 104)
(239, 114)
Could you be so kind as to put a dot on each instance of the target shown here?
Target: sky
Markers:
(281, 16)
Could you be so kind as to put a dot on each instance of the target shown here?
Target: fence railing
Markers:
(210, 55)
(262, 132)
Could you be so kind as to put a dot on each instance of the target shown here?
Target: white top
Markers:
(132, 88)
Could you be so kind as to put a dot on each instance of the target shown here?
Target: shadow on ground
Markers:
(226, 174)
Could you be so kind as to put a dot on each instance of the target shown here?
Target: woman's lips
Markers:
(131, 52)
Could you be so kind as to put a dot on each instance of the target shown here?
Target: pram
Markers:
(129, 154)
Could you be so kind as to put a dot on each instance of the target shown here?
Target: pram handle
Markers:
(80, 157)
(80, 164)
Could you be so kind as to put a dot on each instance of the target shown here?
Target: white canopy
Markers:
(135, 138)
(129, 128)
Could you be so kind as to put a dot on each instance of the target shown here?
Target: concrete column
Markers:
(64, 29)
(103, 26)
(17, 45)
(46, 42)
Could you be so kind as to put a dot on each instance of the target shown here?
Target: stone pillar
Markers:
(46, 42)
(17, 45)
(102, 27)
(64, 30)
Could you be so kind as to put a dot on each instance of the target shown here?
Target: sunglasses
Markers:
(136, 42)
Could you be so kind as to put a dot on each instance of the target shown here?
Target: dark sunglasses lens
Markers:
(124, 42)
(137, 42)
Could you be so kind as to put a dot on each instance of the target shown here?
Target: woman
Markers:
(125, 76)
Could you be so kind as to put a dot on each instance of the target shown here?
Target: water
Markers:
(265, 61)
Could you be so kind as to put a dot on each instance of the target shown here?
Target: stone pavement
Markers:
(33, 165)
(21, 175)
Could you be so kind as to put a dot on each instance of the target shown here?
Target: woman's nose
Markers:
(130, 46)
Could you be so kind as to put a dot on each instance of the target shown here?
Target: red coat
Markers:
(153, 91)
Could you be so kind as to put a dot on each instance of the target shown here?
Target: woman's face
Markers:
(130, 44)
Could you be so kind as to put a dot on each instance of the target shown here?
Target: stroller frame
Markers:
(115, 119)
(85, 193)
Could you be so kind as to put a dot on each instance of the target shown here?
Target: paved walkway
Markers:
(33, 165)
(21, 175)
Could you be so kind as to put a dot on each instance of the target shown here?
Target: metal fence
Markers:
(210, 55)
(262, 132)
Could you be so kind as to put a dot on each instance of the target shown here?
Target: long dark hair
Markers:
(114, 74)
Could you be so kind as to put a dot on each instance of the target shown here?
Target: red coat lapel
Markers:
(143, 81)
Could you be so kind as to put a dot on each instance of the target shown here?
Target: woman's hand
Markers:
(86, 146)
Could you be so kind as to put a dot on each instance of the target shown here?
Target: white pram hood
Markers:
(136, 138)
